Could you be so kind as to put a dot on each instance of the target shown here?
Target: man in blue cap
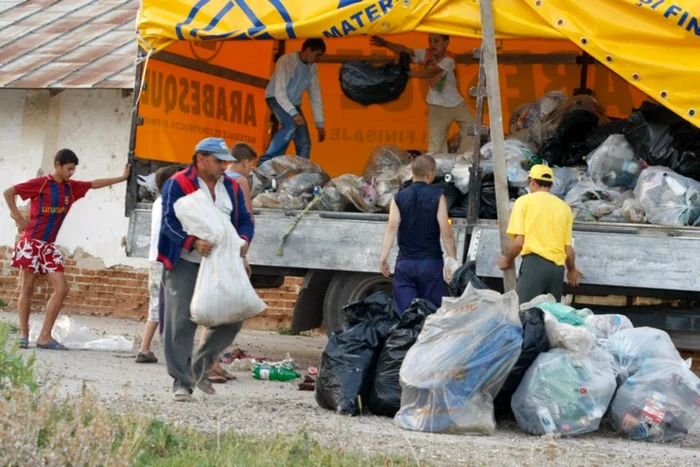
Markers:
(181, 255)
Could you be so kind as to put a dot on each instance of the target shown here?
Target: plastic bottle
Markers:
(273, 373)
(546, 420)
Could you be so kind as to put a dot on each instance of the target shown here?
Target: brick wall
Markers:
(122, 292)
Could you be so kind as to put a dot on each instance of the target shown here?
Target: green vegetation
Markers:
(41, 428)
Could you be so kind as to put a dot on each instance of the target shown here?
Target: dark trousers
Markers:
(178, 336)
(418, 278)
(539, 276)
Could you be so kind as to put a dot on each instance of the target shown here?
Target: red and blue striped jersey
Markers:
(50, 203)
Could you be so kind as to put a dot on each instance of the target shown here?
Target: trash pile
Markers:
(642, 169)
(479, 358)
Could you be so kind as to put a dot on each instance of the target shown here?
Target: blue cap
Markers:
(217, 147)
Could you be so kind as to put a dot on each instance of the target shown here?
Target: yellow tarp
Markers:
(652, 44)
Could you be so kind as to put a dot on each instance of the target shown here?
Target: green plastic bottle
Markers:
(273, 373)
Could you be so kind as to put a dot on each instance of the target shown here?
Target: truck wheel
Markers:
(348, 287)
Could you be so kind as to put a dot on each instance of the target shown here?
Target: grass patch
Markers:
(246, 451)
(40, 428)
(285, 331)
(3, 303)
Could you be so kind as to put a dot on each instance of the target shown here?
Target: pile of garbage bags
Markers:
(348, 361)
(557, 370)
(642, 169)
(601, 364)
(360, 365)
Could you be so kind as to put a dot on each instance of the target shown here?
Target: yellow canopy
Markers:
(652, 44)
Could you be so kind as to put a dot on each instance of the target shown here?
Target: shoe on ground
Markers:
(206, 387)
(182, 395)
(148, 357)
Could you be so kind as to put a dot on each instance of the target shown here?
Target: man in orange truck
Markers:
(294, 74)
(445, 103)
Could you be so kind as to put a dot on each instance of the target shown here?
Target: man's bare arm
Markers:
(446, 232)
(105, 182)
(392, 229)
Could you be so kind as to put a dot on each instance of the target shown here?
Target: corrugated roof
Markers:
(67, 43)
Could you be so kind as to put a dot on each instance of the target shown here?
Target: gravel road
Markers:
(263, 407)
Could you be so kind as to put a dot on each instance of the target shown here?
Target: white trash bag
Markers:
(223, 293)
(632, 347)
(605, 326)
(668, 198)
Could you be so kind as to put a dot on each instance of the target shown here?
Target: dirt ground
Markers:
(263, 407)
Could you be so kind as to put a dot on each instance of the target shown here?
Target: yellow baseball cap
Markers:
(542, 173)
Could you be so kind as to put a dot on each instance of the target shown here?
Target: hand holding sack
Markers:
(223, 293)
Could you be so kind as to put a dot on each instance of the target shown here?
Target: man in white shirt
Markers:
(294, 74)
(445, 103)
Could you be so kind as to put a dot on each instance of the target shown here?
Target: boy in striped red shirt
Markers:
(51, 196)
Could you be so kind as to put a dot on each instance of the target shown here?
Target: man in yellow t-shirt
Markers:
(541, 226)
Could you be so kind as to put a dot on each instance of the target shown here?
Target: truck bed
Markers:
(623, 256)
(335, 241)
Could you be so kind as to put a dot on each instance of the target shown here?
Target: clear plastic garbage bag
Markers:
(614, 164)
(565, 327)
(518, 155)
(564, 393)
(659, 403)
(605, 326)
(633, 211)
(668, 198)
(584, 192)
(632, 347)
(564, 179)
(461, 359)
(223, 293)
(78, 337)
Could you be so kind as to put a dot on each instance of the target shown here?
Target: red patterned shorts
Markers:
(37, 256)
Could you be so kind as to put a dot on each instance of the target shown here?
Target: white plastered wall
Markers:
(93, 123)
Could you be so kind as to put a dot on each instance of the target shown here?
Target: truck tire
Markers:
(348, 287)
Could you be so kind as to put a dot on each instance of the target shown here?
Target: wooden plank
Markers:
(490, 63)
(209, 69)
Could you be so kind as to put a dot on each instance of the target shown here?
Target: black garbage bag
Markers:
(385, 398)
(567, 146)
(602, 132)
(535, 342)
(367, 84)
(464, 276)
(487, 205)
(347, 363)
(662, 138)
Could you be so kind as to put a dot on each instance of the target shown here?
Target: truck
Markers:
(198, 87)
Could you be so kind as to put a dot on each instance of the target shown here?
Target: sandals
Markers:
(225, 374)
(52, 345)
(23, 343)
(216, 378)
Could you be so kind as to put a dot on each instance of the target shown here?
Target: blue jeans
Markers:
(418, 278)
(288, 131)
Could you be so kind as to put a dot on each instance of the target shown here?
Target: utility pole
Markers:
(488, 51)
